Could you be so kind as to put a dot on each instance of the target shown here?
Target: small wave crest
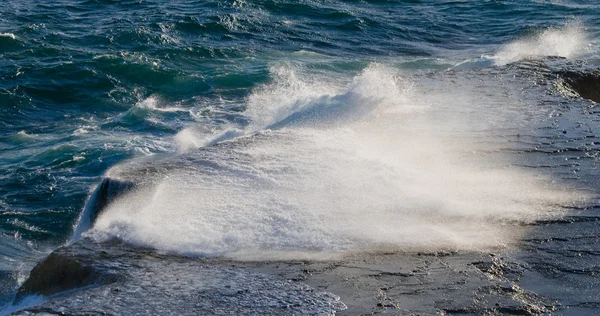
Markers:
(147, 110)
(9, 35)
(568, 42)
(19, 138)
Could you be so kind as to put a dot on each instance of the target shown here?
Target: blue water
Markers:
(85, 85)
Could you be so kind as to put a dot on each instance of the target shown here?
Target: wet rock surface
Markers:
(141, 281)
(56, 274)
(586, 84)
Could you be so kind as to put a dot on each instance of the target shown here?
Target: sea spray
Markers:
(569, 41)
(411, 179)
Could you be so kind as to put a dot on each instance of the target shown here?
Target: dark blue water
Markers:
(85, 85)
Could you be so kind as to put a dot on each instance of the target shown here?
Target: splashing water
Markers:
(328, 168)
(567, 42)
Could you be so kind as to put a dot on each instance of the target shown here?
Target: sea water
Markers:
(332, 126)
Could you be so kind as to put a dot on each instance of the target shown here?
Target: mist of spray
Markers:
(569, 41)
(328, 167)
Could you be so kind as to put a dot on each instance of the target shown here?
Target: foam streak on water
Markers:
(370, 164)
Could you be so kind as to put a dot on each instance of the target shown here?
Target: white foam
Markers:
(194, 137)
(346, 166)
(569, 41)
(11, 35)
(286, 94)
(148, 109)
(153, 103)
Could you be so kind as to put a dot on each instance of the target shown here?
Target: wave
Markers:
(570, 41)
(328, 167)
(19, 138)
(9, 42)
(151, 104)
(147, 112)
(10, 35)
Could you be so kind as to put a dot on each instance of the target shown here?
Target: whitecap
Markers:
(570, 41)
(11, 35)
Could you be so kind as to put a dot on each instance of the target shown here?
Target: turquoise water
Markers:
(85, 85)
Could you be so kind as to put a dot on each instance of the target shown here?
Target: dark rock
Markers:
(114, 279)
(56, 274)
(586, 84)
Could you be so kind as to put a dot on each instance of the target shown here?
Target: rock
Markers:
(586, 84)
(56, 274)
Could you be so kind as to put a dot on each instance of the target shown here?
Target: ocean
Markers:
(283, 131)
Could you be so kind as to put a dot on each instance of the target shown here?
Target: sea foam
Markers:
(329, 167)
(11, 35)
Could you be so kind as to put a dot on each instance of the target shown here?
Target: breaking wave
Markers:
(570, 41)
(327, 167)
